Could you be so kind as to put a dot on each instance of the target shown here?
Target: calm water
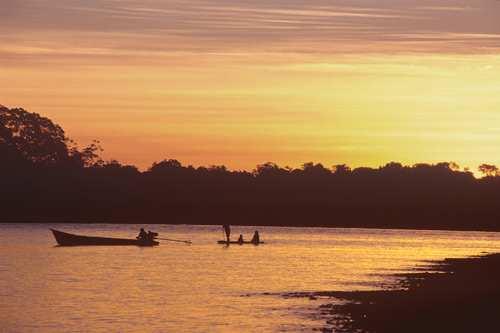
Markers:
(204, 287)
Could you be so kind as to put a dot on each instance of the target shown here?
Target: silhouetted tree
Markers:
(44, 176)
(270, 169)
(88, 156)
(341, 169)
(488, 170)
(392, 166)
(315, 170)
(448, 166)
(166, 166)
(37, 139)
(32, 138)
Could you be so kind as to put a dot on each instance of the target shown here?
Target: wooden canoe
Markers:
(66, 239)
(238, 243)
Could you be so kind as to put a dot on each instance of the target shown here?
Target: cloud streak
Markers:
(155, 28)
(241, 82)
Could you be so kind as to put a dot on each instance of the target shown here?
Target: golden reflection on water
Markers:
(204, 287)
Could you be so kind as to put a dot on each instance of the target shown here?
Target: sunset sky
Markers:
(361, 82)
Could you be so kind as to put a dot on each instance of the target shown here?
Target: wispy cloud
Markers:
(153, 27)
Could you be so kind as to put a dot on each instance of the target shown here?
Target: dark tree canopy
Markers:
(29, 137)
(44, 176)
(33, 137)
(488, 170)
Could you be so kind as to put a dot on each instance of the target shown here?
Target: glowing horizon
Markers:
(359, 82)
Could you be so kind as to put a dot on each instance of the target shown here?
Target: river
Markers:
(203, 287)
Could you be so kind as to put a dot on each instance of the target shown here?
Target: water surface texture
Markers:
(202, 287)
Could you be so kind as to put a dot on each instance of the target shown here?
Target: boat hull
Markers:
(238, 243)
(66, 239)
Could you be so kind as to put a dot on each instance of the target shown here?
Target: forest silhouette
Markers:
(46, 177)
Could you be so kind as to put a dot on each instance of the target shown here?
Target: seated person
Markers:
(256, 237)
(142, 235)
(240, 240)
(152, 235)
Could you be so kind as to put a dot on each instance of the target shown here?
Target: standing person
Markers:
(256, 237)
(227, 230)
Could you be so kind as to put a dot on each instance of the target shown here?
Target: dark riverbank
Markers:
(243, 222)
(46, 177)
(455, 295)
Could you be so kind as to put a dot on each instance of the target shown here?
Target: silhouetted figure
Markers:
(227, 230)
(256, 237)
(240, 239)
(151, 235)
(143, 235)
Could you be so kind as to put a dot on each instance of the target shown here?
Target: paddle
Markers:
(175, 240)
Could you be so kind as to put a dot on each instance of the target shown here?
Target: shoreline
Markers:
(354, 226)
(453, 295)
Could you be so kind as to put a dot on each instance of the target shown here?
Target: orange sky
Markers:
(361, 82)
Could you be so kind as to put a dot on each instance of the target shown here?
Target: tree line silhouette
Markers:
(46, 177)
